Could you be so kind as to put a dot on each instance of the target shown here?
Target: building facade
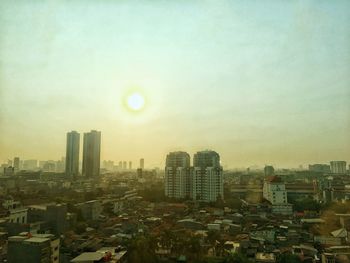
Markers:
(72, 154)
(91, 154)
(16, 164)
(33, 248)
(142, 163)
(274, 190)
(178, 175)
(338, 167)
(207, 182)
(269, 170)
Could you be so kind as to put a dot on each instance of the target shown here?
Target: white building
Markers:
(338, 167)
(274, 190)
(207, 184)
(177, 178)
(16, 213)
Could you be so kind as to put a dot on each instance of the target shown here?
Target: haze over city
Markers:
(260, 82)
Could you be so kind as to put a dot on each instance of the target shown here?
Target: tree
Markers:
(289, 258)
(237, 258)
(142, 250)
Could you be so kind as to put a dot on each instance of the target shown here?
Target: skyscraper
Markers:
(338, 167)
(142, 163)
(178, 180)
(16, 163)
(72, 154)
(91, 153)
(208, 185)
(130, 165)
(124, 165)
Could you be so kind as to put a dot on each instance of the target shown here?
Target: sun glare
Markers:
(136, 101)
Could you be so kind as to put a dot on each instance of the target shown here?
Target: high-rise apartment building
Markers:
(142, 163)
(338, 167)
(178, 179)
(91, 153)
(207, 184)
(16, 163)
(130, 165)
(72, 154)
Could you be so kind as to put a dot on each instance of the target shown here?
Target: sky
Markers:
(260, 82)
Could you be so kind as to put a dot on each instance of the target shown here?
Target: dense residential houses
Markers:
(189, 212)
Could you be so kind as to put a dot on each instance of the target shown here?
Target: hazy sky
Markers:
(260, 82)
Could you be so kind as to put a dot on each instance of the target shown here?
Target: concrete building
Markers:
(338, 167)
(54, 214)
(108, 165)
(269, 170)
(16, 164)
(30, 165)
(9, 171)
(49, 166)
(104, 254)
(91, 153)
(29, 248)
(319, 168)
(124, 165)
(207, 182)
(130, 165)
(178, 178)
(18, 215)
(90, 210)
(274, 190)
(142, 163)
(72, 154)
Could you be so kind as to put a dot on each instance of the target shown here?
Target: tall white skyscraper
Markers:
(178, 175)
(208, 184)
(72, 154)
(91, 153)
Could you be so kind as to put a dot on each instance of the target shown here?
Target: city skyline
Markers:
(141, 161)
(261, 83)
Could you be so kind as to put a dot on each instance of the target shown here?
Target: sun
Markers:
(135, 101)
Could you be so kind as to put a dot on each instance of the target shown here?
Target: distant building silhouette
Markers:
(9, 171)
(91, 153)
(16, 163)
(338, 167)
(130, 165)
(72, 154)
(30, 164)
(124, 165)
(269, 170)
(142, 163)
(178, 180)
(319, 168)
